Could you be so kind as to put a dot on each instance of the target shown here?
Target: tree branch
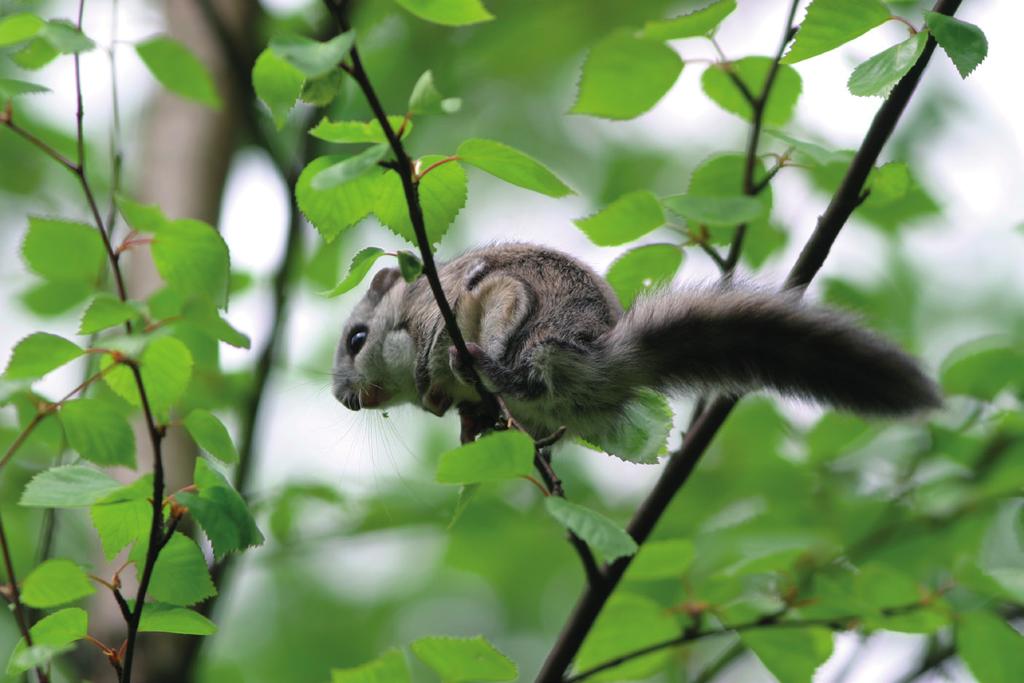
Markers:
(757, 105)
(15, 596)
(412, 198)
(682, 463)
(772, 621)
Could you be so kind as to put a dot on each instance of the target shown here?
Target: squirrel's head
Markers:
(374, 362)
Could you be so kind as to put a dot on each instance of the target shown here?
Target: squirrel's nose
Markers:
(350, 401)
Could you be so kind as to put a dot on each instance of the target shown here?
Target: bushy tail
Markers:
(734, 340)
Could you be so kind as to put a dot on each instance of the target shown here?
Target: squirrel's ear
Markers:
(382, 282)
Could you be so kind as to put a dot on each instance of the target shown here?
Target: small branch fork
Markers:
(681, 464)
(158, 537)
(410, 175)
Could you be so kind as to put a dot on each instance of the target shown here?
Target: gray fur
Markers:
(549, 335)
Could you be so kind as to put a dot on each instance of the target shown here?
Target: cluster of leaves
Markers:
(154, 358)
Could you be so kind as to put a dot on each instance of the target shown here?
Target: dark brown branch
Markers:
(757, 106)
(682, 463)
(772, 621)
(156, 533)
(15, 596)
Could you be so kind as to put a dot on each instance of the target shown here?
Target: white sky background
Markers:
(976, 171)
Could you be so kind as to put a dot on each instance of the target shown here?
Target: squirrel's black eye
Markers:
(356, 339)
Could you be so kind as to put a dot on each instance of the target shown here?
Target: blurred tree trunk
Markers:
(184, 155)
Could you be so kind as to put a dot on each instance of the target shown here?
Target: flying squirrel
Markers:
(549, 335)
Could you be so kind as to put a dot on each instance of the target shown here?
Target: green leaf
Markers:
(339, 208)
(640, 433)
(350, 168)
(448, 12)
(427, 99)
(888, 183)
(159, 618)
(464, 659)
(512, 166)
(361, 264)
(494, 457)
(35, 55)
(700, 22)
(122, 523)
(992, 649)
(644, 268)
(983, 368)
(965, 43)
(98, 431)
(625, 76)
(722, 176)
(791, 654)
(193, 258)
(810, 153)
(38, 354)
(409, 265)
(836, 434)
(17, 28)
(211, 435)
(390, 667)
(105, 311)
(668, 559)
(322, 91)
(878, 75)
(722, 210)
(180, 576)
(141, 217)
(1001, 555)
(753, 72)
(54, 583)
(358, 131)
(53, 633)
(166, 367)
(607, 538)
(10, 88)
(630, 216)
(178, 70)
(442, 196)
(48, 299)
(278, 84)
(68, 486)
(466, 494)
(63, 251)
(627, 623)
(221, 512)
(831, 23)
(65, 37)
(312, 57)
(202, 313)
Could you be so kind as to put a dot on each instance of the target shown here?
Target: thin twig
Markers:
(772, 621)
(410, 189)
(16, 605)
(757, 106)
(682, 463)
(156, 537)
